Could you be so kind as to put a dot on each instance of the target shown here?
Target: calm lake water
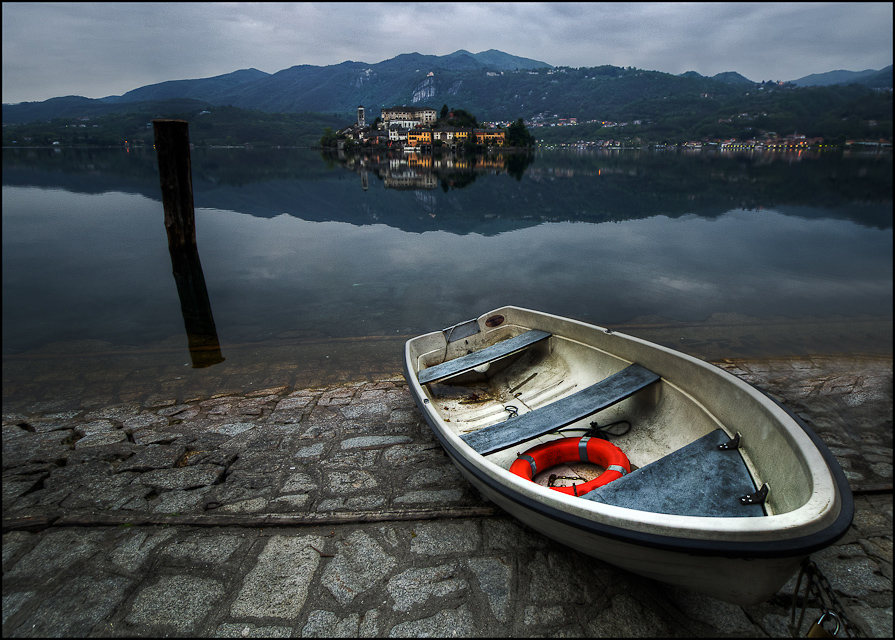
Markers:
(786, 253)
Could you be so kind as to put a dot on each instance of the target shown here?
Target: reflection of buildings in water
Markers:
(370, 213)
(425, 171)
(490, 162)
(453, 162)
(408, 172)
(419, 162)
(427, 201)
(409, 179)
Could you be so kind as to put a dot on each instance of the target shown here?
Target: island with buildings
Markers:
(423, 129)
(416, 148)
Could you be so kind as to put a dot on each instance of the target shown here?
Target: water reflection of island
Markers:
(589, 186)
(415, 172)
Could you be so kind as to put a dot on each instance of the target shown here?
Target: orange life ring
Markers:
(584, 449)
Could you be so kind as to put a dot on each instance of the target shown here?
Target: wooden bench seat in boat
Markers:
(482, 356)
(696, 480)
(561, 413)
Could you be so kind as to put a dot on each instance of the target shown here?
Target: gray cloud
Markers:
(99, 49)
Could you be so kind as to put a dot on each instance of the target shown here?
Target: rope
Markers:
(599, 431)
(818, 587)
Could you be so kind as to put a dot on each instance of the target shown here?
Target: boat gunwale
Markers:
(565, 509)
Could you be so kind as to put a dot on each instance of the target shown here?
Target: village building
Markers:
(349, 132)
(403, 124)
(375, 137)
(419, 137)
(448, 134)
(425, 115)
(397, 133)
(490, 136)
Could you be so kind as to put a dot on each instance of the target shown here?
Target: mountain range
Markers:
(492, 84)
(869, 77)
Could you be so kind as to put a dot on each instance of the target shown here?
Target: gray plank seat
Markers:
(698, 479)
(475, 359)
(562, 412)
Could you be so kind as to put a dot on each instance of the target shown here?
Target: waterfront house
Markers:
(397, 134)
(419, 137)
(490, 136)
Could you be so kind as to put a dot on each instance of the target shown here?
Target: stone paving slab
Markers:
(334, 512)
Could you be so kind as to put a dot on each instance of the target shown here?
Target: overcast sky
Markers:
(101, 49)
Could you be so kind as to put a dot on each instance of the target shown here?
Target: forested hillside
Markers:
(291, 107)
(209, 125)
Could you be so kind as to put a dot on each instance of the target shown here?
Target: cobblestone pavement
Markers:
(334, 512)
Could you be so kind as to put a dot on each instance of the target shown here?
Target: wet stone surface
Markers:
(334, 512)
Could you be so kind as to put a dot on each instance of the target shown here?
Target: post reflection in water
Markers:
(205, 349)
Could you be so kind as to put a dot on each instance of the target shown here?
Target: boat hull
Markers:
(737, 577)
(733, 559)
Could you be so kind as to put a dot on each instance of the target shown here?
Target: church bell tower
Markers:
(360, 117)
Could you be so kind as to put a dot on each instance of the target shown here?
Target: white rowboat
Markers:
(726, 491)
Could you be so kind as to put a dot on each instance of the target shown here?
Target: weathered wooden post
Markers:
(172, 146)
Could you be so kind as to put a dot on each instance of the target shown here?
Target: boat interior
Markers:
(506, 390)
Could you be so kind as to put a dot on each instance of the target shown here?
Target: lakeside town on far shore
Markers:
(420, 130)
